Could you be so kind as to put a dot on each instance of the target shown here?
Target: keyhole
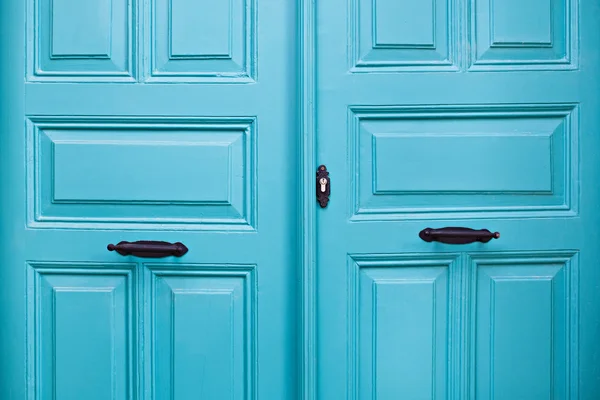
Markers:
(323, 183)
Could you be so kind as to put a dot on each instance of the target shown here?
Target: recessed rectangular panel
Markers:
(117, 166)
(82, 335)
(194, 33)
(522, 323)
(193, 174)
(202, 41)
(463, 163)
(401, 36)
(202, 330)
(532, 24)
(395, 22)
(529, 34)
(525, 340)
(81, 28)
(431, 162)
(80, 41)
(400, 329)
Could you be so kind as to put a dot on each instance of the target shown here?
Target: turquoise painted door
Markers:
(126, 120)
(472, 114)
(179, 121)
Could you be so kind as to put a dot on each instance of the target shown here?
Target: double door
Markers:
(199, 126)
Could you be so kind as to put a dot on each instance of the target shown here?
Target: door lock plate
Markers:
(323, 186)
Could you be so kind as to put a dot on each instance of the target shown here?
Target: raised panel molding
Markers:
(202, 41)
(524, 35)
(201, 330)
(196, 173)
(81, 331)
(403, 35)
(398, 176)
(525, 307)
(80, 41)
(402, 325)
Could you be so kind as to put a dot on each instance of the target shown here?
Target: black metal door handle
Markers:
(149, 249)
(457, 235)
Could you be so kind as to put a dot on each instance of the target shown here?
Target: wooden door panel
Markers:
(402, 36)
(462, 162)
(399, 325)
(81, 41)
(131, 120)
(525, 325)
(71, 352)
(186, 173)
(531, 35)
(461, 113)
(202, 41)
(182, 345)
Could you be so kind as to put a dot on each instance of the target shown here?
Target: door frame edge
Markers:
(307, 88)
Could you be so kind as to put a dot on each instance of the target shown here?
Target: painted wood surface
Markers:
(479, 114)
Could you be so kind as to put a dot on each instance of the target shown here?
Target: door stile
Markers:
(307, 87)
